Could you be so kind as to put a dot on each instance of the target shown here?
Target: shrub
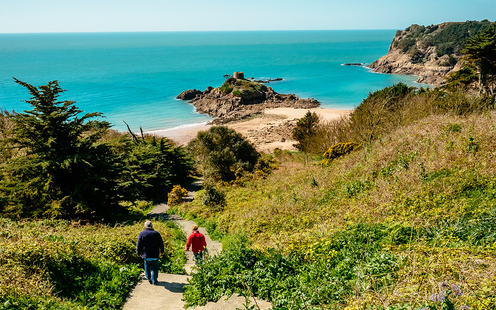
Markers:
(325, 273)
(226, 88)
(176, 196)
(220, 152)
(305, 129)
(213, 198)
(339, 150)
(54, 264)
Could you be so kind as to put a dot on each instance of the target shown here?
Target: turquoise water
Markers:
(135, 77)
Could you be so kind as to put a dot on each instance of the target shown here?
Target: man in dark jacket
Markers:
(149, 247)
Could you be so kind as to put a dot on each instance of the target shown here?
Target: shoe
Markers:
(150, 282)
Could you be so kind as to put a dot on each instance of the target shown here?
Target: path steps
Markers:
(167, 295)
(234, 302)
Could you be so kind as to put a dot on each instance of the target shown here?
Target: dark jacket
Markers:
(149, 244)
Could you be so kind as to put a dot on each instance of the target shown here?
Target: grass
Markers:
(55, 264)
(429, 186)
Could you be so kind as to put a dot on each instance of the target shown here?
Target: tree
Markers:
(61, 170)
(306, 128)
(461, 78)
(480, 52)
(220, 152)
(151, 168)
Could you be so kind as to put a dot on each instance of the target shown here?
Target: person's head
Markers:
(195, 228)
(148, 224)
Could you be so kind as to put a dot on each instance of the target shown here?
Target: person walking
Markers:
(197, 243)
(149, 247)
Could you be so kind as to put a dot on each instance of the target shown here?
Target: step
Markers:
(169, 291)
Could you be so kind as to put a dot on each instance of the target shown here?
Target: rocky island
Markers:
(429, 52)
(238, 98)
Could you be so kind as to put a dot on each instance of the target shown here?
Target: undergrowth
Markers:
(55, 264)
(378, 228)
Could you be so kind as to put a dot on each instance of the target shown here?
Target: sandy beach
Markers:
(270, 130)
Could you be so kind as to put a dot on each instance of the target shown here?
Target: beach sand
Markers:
(267, 131)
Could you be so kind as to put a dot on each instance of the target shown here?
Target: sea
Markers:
(135, 77)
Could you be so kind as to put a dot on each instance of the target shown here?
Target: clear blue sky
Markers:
(207, 15)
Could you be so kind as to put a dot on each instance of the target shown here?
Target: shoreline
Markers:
(268, 130)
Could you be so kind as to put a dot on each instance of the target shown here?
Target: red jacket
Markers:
(197, 242)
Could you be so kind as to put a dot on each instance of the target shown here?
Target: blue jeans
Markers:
(198, 257)
(151, 269)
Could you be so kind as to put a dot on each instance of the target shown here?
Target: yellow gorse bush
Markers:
(339, 150)
(176, 195)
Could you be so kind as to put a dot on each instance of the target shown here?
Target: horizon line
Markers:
(156, 31)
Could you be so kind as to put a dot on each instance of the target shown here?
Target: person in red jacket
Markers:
(197, 243)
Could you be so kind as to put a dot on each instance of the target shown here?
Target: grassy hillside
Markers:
(56, 264)
(379, 228)
(446, 38)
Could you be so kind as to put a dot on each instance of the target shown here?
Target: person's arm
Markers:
(139, 246)
(161, 245)
(203, 240)
(188, 244)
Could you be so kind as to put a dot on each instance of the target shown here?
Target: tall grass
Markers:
(379, 228)
(393, 107)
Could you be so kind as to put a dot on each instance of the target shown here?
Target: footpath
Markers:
(168, 294)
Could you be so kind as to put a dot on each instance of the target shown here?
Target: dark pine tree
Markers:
(61, 169)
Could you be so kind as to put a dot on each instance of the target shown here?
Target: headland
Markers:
(265, 117)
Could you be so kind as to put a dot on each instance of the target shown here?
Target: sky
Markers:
(33, 16)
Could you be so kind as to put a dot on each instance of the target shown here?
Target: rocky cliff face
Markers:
(429, 71)
(429, 52)
(238, 98)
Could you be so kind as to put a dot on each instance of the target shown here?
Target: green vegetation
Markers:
(448, 38)
(244, 89)
(222, 154)
(480, 54)
(56, 264)
(379, 226)
(393, 207)
(55, 163)
(306, 128)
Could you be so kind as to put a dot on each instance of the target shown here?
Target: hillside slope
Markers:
(430, 52)
(383, 225)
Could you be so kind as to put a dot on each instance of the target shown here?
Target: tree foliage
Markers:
(448, 38)
(151, 168)
(60, 169)
(480, 52)
(220, 152)
(461, 78)
(58, 164)
(305, 129)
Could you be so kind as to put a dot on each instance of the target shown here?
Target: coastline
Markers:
(182, 134)
(268, 130)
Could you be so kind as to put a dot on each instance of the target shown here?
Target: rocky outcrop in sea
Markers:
(239, 98)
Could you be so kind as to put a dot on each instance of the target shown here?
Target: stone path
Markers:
(169, 291)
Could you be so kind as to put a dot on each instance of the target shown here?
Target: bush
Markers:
(176, 195)
(220, 152)
(213, 198)
(328, 272)
(55, 264)
(305, 129)
(339, 150)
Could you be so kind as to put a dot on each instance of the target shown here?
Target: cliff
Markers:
(239, 98)
(429, 52)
